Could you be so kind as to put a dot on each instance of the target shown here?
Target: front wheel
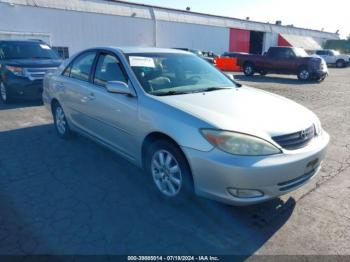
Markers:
(4, 95)
(340, 64)
(304, 74)
(248, 69)
(169, 170)
(60, 122)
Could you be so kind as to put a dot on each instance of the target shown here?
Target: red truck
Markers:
(284, 60)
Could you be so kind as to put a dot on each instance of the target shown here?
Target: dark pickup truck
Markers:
(284, 60)
(23, 65)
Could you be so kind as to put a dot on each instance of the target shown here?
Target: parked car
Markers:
(233, 54)
(334, 58)
(210, 54)
(198, 53)
(285, 60)
(23, 65)
(187, 124)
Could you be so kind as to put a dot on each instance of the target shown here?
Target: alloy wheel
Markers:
(248, 70)
(166, 173)
(304, 74)
(61, 122)
(3, 92)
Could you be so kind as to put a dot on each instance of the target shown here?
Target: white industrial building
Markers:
(79, 24)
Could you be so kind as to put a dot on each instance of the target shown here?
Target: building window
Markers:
(62, 51)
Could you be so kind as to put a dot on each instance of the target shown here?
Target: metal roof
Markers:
(308, 43)
(129, 9)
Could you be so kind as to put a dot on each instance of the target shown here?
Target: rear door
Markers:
(113, 118)
(74, 86)
(281, 60)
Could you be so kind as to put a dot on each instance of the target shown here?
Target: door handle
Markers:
(60, 85)
(88, 98)
(91, 96)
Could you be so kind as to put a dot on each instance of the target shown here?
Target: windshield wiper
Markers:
(41, 57)
(171, 93)
(209, 89)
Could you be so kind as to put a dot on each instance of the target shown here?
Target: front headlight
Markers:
(318, 128)
(239, 144)
(18, 71)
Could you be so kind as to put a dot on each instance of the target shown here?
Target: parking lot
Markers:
(76, 197)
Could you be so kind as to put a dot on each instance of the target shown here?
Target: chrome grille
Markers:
(34, 73)
(296, 140)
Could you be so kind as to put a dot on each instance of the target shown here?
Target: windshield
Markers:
(335, 53)
(170, 74)
(299, 52)
(26, 50)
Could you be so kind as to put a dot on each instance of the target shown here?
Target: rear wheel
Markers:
(303, 74)
(340, 63)
(263, 73)
(4, 95)
(60, 121)
(169, 170)
(248, 69)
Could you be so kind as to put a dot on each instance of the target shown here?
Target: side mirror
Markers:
(118, 87)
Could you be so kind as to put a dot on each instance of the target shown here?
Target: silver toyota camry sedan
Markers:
(191, 127)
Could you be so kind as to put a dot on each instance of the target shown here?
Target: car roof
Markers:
(22, 41)
(135, 50)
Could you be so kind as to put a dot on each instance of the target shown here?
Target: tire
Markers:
(248, 69)
(340, 63)
(4, 96)
(173, 181)
(263, 73)
(304, 74)
(60, 122)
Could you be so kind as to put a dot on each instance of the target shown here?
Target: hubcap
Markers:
(3, 92)
(304, 74)
(60, 120)
(166, 173)
(248, 70)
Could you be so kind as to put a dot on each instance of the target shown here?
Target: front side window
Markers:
(320, 52)
(300, 52)
(82, 65)
(26, 50)
(172, 73)
(108, 69)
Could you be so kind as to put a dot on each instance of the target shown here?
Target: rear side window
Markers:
(279, 52)
(108, 69)
(81, 67)
(321, 52)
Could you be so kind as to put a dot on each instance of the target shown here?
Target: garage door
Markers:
(239, 40)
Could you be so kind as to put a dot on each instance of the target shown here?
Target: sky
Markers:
(315, 14)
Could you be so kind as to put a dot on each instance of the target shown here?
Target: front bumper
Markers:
(319, 74)
(215, 172)
(23, 88)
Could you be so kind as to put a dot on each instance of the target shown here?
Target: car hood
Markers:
(34, 62)
(247, 110)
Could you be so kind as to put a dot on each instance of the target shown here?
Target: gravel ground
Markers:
(76, 197)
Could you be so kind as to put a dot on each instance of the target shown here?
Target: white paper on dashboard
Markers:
(140, 61)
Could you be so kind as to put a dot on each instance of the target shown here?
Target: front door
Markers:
(113, 118)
